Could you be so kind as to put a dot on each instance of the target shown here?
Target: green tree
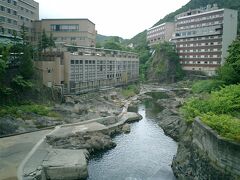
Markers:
(26, 63)
(4, 52)
(5, 91)
(51, 41)
(43, 43)
(23, 34)
(230, 71)
(112, 45)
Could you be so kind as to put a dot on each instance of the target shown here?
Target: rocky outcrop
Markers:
(92, 141)
(169, 118)
(164, 65)
(172, 124)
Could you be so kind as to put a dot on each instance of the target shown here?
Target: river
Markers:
(144, 154)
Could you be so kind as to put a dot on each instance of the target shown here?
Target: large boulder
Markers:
(65, 164)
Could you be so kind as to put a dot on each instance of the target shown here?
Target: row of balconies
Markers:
(204, 17)
(201, 24)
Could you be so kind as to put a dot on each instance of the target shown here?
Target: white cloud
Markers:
(124, 18)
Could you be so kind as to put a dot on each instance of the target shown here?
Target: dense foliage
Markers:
(219, 110)
(207, 86)
(230, 71)
(16, 69)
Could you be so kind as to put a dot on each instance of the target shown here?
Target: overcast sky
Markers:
(124, 18)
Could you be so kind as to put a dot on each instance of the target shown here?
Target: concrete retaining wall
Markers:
(222, 152)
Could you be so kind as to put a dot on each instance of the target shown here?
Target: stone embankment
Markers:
(64, 152)
(203, 154)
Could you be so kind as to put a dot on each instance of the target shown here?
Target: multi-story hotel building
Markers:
(15, 13)
(160, 33)
(202, 37)
(79, 32)
(88, 69)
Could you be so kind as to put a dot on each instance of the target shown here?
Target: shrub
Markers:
(219, 110)
(226, 126)
(130, 90)
(207, 86)
(23, 111)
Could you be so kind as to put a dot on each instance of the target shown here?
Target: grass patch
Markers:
(25, 111)
(130, 90)
(220, 110)
(207, 86)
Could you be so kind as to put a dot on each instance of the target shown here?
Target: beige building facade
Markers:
(15, 13)
(160, 33)
(79, 32)
(202, 38)
(88, 69)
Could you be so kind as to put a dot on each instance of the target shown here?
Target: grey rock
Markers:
(172, 124)
(8, 125)
(126, 128)
(65, 164)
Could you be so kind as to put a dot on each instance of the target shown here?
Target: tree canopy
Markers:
(230, 71)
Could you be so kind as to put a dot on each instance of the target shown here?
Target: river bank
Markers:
(202, 153)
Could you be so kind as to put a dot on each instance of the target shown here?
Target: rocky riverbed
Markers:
(74, 109)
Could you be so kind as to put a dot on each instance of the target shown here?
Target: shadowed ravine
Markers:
(145, 153)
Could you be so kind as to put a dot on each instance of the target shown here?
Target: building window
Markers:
(2, 8)
(15, 3)
(65, 27)
(72, 61)
(2, 18)
(9, 1)
(9, 11)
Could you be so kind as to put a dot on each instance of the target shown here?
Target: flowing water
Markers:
(144, 154)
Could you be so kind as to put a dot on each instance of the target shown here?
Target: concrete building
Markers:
(160, 33)
(79, 32)
(202, 37)
(88, 69)
(15, 13)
